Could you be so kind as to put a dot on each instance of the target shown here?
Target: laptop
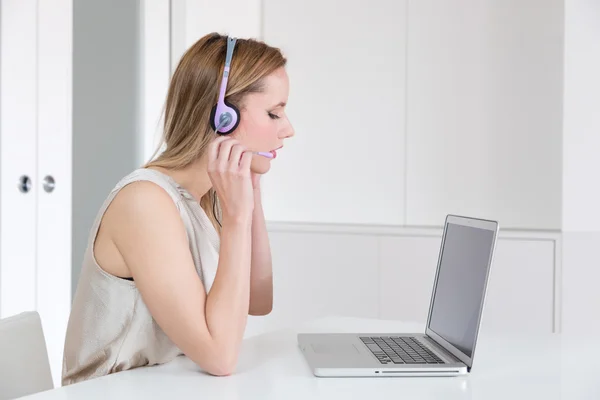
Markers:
(447, 347)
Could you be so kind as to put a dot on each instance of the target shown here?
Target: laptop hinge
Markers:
(442, 350)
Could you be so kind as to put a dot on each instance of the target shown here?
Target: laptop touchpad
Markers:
(334, 348)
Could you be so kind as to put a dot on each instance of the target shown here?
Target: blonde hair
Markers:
(194, 90)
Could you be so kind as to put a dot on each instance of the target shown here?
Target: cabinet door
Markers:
(320, 274)
(520, 295)
(18, 156)
(484, 111)
(54, 172)
(346, 65)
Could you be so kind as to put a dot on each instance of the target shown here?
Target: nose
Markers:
(287, 132)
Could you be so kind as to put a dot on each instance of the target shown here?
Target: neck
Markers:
(193, 178)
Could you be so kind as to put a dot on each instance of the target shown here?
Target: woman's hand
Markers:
(207, 325)
(229, 171)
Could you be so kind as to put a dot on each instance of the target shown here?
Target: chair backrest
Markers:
(24, 364)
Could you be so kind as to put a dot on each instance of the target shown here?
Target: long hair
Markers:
(194, 90)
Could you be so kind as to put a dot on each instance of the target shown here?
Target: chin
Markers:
(260, 166)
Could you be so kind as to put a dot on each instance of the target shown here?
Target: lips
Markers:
(274, 152)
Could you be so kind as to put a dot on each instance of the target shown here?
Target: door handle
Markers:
(24, 184)
(49, 184)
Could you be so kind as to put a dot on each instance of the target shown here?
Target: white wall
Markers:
(581, 167)
(580, 277)
(581, 130)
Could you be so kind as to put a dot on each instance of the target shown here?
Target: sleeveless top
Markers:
(110, 328)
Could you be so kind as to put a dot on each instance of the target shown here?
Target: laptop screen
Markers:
(460, 288)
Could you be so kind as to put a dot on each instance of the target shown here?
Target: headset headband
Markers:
(225, 117)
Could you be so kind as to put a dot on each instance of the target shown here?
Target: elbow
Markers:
(221, 369)
(222, 363)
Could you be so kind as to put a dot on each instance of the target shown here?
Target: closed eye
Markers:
(273, 116)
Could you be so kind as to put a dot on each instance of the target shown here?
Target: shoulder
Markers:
(146, 186)
(144, 200)
(141, 197)
(143, 219)
(144, 196)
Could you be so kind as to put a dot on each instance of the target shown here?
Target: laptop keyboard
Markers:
(400, 350)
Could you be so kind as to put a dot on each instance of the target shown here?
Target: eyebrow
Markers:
(281, 104)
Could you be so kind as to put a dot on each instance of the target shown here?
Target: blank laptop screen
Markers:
(460, 285)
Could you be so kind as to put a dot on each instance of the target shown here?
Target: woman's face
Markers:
(263, 123)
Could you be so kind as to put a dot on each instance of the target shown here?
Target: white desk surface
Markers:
(272, 367)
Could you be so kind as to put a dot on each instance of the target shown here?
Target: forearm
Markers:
(228, 300)
(261, 278)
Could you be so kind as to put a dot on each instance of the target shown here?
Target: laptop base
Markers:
(383, 373)
(346, 355)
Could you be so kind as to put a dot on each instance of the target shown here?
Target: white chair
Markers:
(24, 364)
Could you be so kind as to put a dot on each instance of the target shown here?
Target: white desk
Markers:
(272, 367)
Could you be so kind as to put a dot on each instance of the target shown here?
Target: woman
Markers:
(179, 255)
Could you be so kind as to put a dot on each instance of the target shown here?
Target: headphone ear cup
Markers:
(235, 115)
(213, 111)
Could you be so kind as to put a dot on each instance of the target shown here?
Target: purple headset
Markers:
(225, 117)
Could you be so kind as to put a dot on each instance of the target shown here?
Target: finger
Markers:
(213, 148)
(245, 161)
(236, 153)
(224, 153)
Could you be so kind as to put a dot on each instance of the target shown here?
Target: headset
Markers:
(225, 117)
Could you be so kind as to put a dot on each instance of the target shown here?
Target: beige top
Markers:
(110, 328)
